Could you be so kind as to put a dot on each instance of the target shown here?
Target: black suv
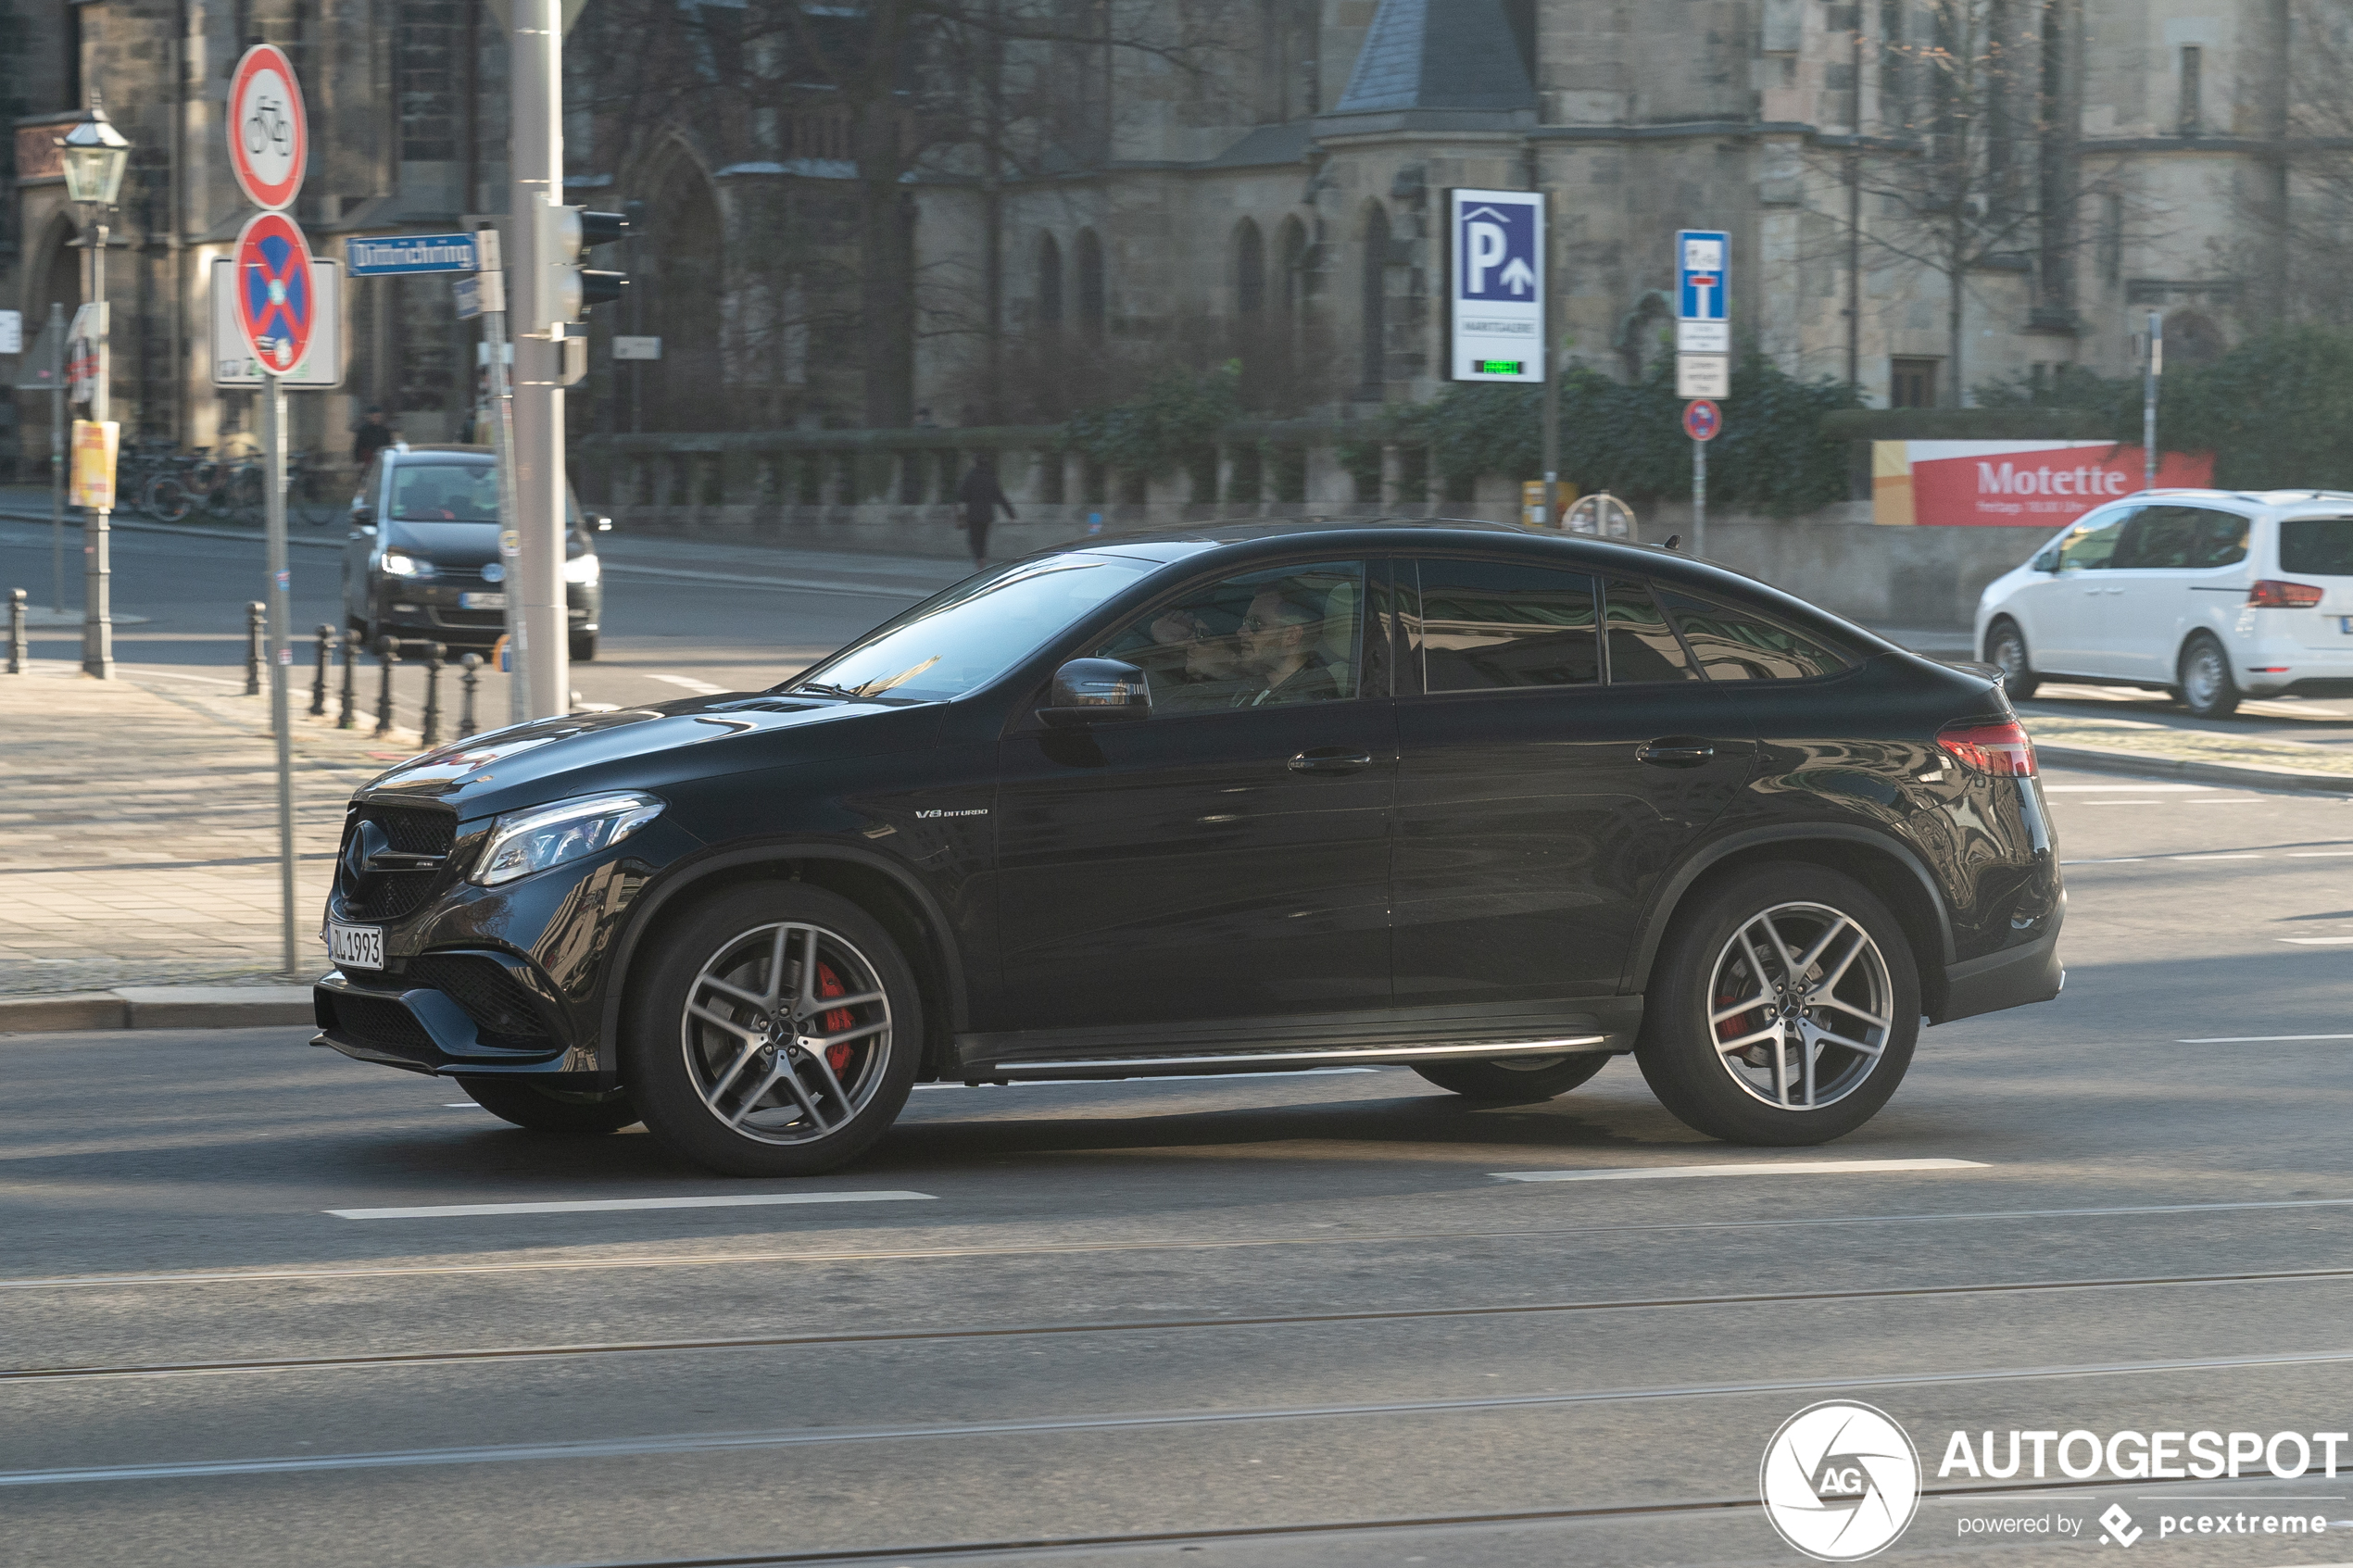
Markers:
(421, 561)
(1489, 803)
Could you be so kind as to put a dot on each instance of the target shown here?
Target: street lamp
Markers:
(94, 154)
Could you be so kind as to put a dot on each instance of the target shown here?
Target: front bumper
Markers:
(465, 1028)
(431, 612)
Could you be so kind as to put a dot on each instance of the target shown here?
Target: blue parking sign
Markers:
(1496, 290)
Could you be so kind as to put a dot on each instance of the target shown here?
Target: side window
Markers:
(2092, 546)
(1643, 647)
(1740, 645)
(2160, 536)
(2222, 540)
(1493, 625)
(1294, 634)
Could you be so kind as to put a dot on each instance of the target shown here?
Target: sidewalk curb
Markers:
(114, 523)
(157, 1007)
(2111, 760)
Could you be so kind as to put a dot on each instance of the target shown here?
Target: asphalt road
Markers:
(1240, 1322)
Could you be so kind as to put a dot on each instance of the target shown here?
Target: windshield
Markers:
(2316, 546)
(962, 639)
(445, 493)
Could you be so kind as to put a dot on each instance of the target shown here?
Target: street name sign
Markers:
(231, 355)
(377, 256)
(268, 133)
(1496, 288)
(636, 347)
(11, 332)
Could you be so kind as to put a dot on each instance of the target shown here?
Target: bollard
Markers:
(318, 686)
(16, 631)
(387, 655)
(435, 654)
(467, 683)
(257, 618)
(349, 719)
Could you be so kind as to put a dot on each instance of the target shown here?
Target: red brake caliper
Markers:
(835, 1020)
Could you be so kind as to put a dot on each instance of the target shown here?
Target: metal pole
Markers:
(535, 147)
(467, 682)
(387, 655)
(16, 631)
(435, 654)
(345, 716)
(1699, 497)
(280, 600)
(257, 618)
(2150, 372)
(97, 607)
(319, 682)
(57, 458)
(502, 440)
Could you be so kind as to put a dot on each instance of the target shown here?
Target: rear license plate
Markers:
(2345, 624)
(356, 947)
(482, 601)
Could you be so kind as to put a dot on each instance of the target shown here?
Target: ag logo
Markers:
(1840, 1480)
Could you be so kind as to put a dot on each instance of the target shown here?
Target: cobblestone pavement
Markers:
(138, 830)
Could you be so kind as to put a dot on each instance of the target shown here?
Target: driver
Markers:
(1279, 654)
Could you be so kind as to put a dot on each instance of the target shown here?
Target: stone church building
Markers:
(846, 221)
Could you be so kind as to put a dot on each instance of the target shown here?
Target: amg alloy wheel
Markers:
(778, 1035)
(1509, 1080)
(1783, 1008)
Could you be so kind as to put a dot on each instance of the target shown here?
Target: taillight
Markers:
(2271, 594)
(1999, 750)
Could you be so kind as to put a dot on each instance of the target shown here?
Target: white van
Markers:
(2213, 595)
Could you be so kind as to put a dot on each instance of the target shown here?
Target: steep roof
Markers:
(1439, 54)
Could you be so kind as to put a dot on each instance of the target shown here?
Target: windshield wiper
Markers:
(820, 688)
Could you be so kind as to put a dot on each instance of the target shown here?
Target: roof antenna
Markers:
(1674, 541)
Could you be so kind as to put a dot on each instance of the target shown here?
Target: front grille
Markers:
(502, 1008)
(410, 830)
(467, 619)
(380, 1022)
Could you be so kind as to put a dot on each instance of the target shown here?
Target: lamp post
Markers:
(94, 154)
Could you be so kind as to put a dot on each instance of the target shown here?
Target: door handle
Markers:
(1677, 752)
(1331, 759)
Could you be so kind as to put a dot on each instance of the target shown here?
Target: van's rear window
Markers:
(2316, 546)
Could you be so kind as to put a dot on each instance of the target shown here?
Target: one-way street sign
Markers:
(377, 256)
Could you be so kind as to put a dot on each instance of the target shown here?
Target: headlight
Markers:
(524, 841)
(583, 568)
(399, 565)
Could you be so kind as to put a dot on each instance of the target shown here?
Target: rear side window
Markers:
(2317, 546)
(1643, 647)
(2175, 538)
(2222, 540)
(1740, 645)
(1493, 626)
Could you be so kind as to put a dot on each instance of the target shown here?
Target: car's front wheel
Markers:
(2005, 650)
(775, 1032)
(551, 1110)
(1514, 1080)
(1782, 1009)
(2206, 687)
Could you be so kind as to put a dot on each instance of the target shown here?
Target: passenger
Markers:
(1211, 665)
(1280, 652)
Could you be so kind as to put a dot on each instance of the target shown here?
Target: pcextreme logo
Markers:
(1840, 1480)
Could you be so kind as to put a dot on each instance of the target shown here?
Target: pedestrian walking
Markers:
(370, 436)
(981, 495)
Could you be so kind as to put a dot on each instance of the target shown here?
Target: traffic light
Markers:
(566, 236)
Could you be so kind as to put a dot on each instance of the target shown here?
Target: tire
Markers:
(2206, 687)
(738, 961)
(167, 500)
(1514, 1081)
(1706, 966)
(551, 1110)
(2006, 649)
(583, 647)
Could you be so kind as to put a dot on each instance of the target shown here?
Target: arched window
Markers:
(1049, 282)
(1292, 255)
(1250, 270)
(1091, 285)
(1376, 302)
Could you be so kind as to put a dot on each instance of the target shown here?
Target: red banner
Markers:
(2014, 484)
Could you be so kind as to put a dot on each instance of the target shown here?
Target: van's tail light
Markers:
(2271, 594)
(1999, 750)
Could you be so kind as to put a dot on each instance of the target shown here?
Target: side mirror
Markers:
(2048, 561)
(1097, 691)
(604, 525)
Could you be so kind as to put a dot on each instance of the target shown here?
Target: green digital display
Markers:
(1497, 367)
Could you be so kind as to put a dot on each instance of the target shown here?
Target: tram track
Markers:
(1149, 1325)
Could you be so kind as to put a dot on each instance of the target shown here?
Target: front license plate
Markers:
(482, 601)
(356, 947)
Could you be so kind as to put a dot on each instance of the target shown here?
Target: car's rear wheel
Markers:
(551, 1110)
(2005, 650)
(2206, 687)
(774, 1033)
(1514, 1080)
(1782, 1009)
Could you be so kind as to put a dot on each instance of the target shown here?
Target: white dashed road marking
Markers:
(1779, 1168)
(701, 688)
(609, 1205)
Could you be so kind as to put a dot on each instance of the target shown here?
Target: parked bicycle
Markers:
(171, 487)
